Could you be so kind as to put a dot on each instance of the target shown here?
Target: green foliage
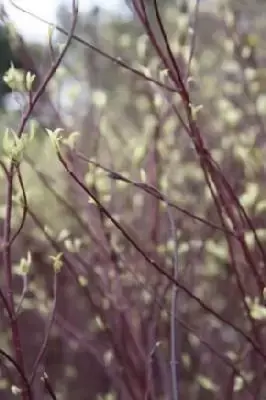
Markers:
(131, 127)
(7, 58)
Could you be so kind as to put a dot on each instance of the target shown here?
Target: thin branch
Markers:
(87, 44)
(48, 386)
(24, 209)
(7, 241)
(19, 370)
(194, 37)
(151, 190)
(154, 264)
(47, 333)
(23, 294)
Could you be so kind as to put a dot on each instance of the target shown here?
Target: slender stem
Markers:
(9, 281)
(155, 265)
(46, 334)
(173, 327)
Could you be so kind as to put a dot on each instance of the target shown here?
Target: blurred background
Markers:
(110, 336)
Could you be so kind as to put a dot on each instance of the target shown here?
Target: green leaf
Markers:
(249, 197)
(207, 384)
(57, 262)
(238, 384)
(55, 137)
